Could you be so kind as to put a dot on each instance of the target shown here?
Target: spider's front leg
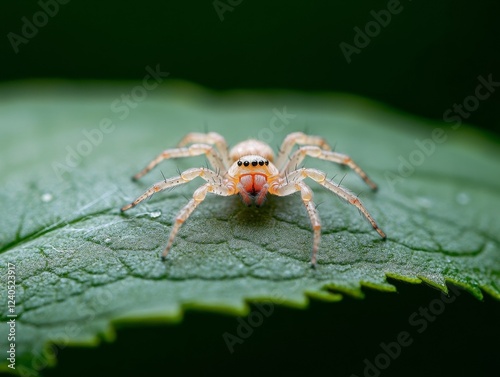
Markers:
(198, 197)
(320, 177)
(293, 182)
(287, 187)
(212, 154)
(185, 177)
(216, 184)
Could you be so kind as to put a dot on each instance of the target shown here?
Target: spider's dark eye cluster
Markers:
(254, 163)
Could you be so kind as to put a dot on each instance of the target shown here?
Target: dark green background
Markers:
(328, 339)
(427, 58)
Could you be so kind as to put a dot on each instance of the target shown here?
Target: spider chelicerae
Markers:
(250, 170)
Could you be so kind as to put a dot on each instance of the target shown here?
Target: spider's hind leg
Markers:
(299, 138)
(212, 154)
(211, 138)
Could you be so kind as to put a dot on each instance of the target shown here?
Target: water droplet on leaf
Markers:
(155, 214)
(47, 197)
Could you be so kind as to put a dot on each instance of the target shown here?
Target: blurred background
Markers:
(420, 57)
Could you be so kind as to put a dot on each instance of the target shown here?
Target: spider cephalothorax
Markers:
(249, 170)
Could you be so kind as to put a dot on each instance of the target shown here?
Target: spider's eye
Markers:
(240, 163)
(255, 163)
(261, 163)
(267, 163)
(246, 163)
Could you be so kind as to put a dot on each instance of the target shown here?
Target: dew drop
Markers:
(462, 198)
(107, 240)
(155, 214)
(47, 197)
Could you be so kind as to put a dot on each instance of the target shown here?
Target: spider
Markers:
(250, 170)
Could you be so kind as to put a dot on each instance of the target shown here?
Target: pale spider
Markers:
(248, 169)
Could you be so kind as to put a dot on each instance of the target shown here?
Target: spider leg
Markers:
(285, 189)
(293, 182)
(298, 138)
(212, 154)
(338, 158)
(198, 197)
(320, 177)
(211, 138)
(215, 179)
(215, 184)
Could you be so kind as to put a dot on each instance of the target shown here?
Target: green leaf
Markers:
(81, 266)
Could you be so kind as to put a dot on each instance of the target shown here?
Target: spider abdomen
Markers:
(251, 147)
